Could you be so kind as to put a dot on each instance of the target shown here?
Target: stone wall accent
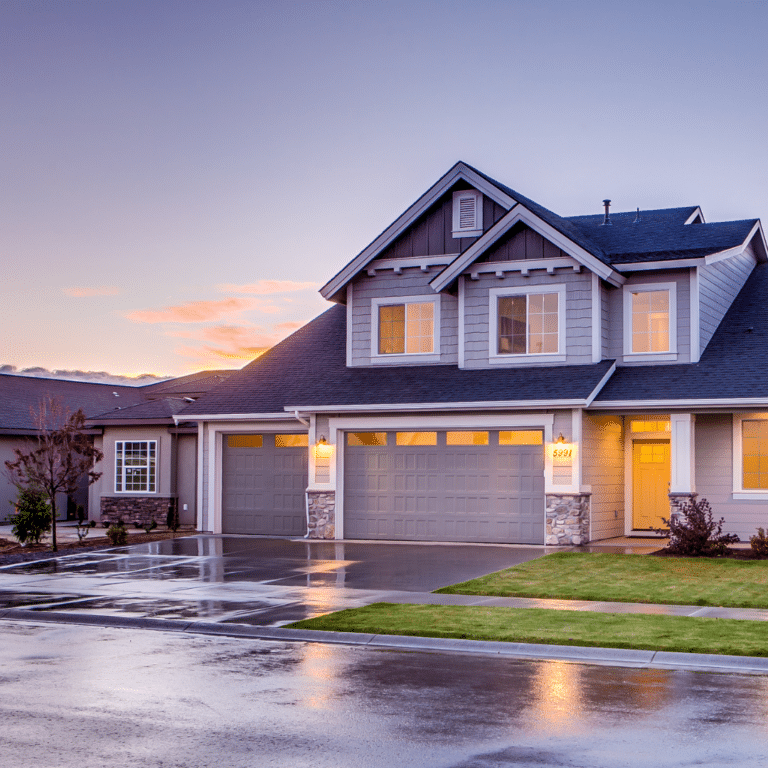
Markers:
(322, 515)
(567, 519)
(681, 498)
(133, 509)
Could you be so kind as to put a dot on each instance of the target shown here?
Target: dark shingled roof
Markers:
(19, 395)
(309, 369)
(732, 366)
(164, 408)
(192, 385)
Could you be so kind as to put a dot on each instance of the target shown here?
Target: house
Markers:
(162, 458)
(493, 372)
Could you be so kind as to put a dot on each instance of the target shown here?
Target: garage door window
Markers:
(416, 438)
(291, 441)
(244, 441)
(466, 438)
(366, 438)
(521, 437)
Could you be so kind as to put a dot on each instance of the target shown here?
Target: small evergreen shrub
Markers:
(694, 532)
(117, 534)
(759, 543)
(33, 516)
(150, 526)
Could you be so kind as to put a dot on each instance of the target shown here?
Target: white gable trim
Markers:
(520, 213)
(739, 249)
(697, 213)
(459, 172)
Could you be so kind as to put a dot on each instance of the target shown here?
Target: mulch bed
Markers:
(11, 552)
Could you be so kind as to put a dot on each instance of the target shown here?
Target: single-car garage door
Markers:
(445, 486)
(264, 479)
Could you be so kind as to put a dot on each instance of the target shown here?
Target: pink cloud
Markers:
(98, 290)
(232, 342)
(264, 287)
(196, 311)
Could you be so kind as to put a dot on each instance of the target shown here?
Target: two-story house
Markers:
(494, 372)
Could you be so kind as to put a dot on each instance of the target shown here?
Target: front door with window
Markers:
(651, 472)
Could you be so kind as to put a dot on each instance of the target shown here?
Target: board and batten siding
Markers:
(714, 477)
(387, 284)
(521, 244)
(682, 279)
(602, 457)
(432, 234)
(578, 316)
(719, 284)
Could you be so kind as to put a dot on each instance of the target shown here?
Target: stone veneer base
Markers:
(322, 515)
(137, 509)
(567, 519)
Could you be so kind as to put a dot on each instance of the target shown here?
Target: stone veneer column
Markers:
(679, 498)
(322, 515)
(567, 519)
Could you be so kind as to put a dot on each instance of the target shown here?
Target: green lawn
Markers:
(629, 578)
(535, 625)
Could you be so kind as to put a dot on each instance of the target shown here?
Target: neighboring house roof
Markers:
(21, 395)
(192, 385)
(308, 369)
(732, 369)
(162, 409)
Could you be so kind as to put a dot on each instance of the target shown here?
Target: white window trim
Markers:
(668, 354)
(477, 230)
(157, 468)
(739, 492)
(494, 294)
(410, 357)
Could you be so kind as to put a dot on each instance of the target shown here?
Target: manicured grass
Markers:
(535, 625)
(629, 578)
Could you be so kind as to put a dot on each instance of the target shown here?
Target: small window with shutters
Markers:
(467, 213)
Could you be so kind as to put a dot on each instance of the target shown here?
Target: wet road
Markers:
(90, 696)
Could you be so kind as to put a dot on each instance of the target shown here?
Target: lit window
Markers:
(650, 426)
(367, 438)
(406, 328)
(135, 466)
(416, 438)
(521, 437)
(754, 454)
(244, 441)
(291, 441)
(650, 321)
(466, 438)
(528, 324)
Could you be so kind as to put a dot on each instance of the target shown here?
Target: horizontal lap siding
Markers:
(603, 470)
(578, 315)
(719, 284)
(605, 336)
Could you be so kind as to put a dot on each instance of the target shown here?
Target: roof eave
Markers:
(491, 405)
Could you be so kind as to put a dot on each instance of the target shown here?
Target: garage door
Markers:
(445, 486)
(264, 480)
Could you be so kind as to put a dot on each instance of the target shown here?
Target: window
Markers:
(521, 437)
(650, 325)
(245, 441)
(416, 438)
(466, 438)
(467, 213)
(405, 327)
(754, 454)
(526, 321)
(367, 438)
(135, 466)
(292, 441)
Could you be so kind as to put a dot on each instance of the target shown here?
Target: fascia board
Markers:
(437, 190)
(727, 403)
(494, 405)
(647, 266)
(513, 216)
(228, 417)
(600, 384)
(132, 422)
(757, 229)
(692, 217)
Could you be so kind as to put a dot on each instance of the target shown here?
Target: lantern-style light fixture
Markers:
(323, 450)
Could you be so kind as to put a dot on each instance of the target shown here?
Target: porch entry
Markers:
(651, 473)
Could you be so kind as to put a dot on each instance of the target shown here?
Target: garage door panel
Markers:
(470, 492)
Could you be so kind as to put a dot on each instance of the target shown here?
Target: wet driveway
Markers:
(245, 580)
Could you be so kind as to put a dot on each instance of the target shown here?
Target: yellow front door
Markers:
(650, 479)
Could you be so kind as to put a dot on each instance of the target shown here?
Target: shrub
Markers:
(33, 516)
(150, 526)
(117, 534)
(759, 543)
(694, 532)
(172, 519)
(83, 525)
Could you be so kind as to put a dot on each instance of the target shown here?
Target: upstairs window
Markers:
(527, 321)
(467, 213)
(407, 328)
(650, 326)
(135, 466)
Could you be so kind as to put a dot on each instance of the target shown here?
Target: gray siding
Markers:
(432, 234)
(522, 243)
(714, 477)
(605, 328)
(578, 311)
(681, 277)
(186, 473)
(603, 469)
(387, 284)
(719, 284)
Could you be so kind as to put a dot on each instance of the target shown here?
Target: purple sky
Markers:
(180, 177)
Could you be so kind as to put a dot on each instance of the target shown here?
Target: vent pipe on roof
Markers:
(637, 217)
(607, 219)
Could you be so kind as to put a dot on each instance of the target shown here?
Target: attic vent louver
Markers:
(607, 219)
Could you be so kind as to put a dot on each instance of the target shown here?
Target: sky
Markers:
(181, 177)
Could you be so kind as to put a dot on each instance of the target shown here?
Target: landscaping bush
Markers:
(33, 516)
(694, 531)
(83, 525)
(172, 519)
(117, 534)
(759, 543)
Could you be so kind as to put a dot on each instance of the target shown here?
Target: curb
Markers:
(617, 657)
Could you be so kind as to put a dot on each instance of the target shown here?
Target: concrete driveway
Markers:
(246, 580)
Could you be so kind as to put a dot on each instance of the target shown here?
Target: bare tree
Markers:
(59, 459)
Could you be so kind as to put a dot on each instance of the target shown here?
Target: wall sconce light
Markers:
(322, 449)
(560, 438)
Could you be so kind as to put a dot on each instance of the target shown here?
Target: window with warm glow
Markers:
(650, 321)
(528, 324)
(367, 438)
(754, 454)
(416, 438)
(407, 328)
(466, 438)
(521, 437)
(291, 441)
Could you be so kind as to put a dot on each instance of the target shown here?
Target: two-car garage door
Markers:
(485, 486)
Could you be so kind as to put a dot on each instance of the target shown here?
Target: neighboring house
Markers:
(149, 462)
(494, 372)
